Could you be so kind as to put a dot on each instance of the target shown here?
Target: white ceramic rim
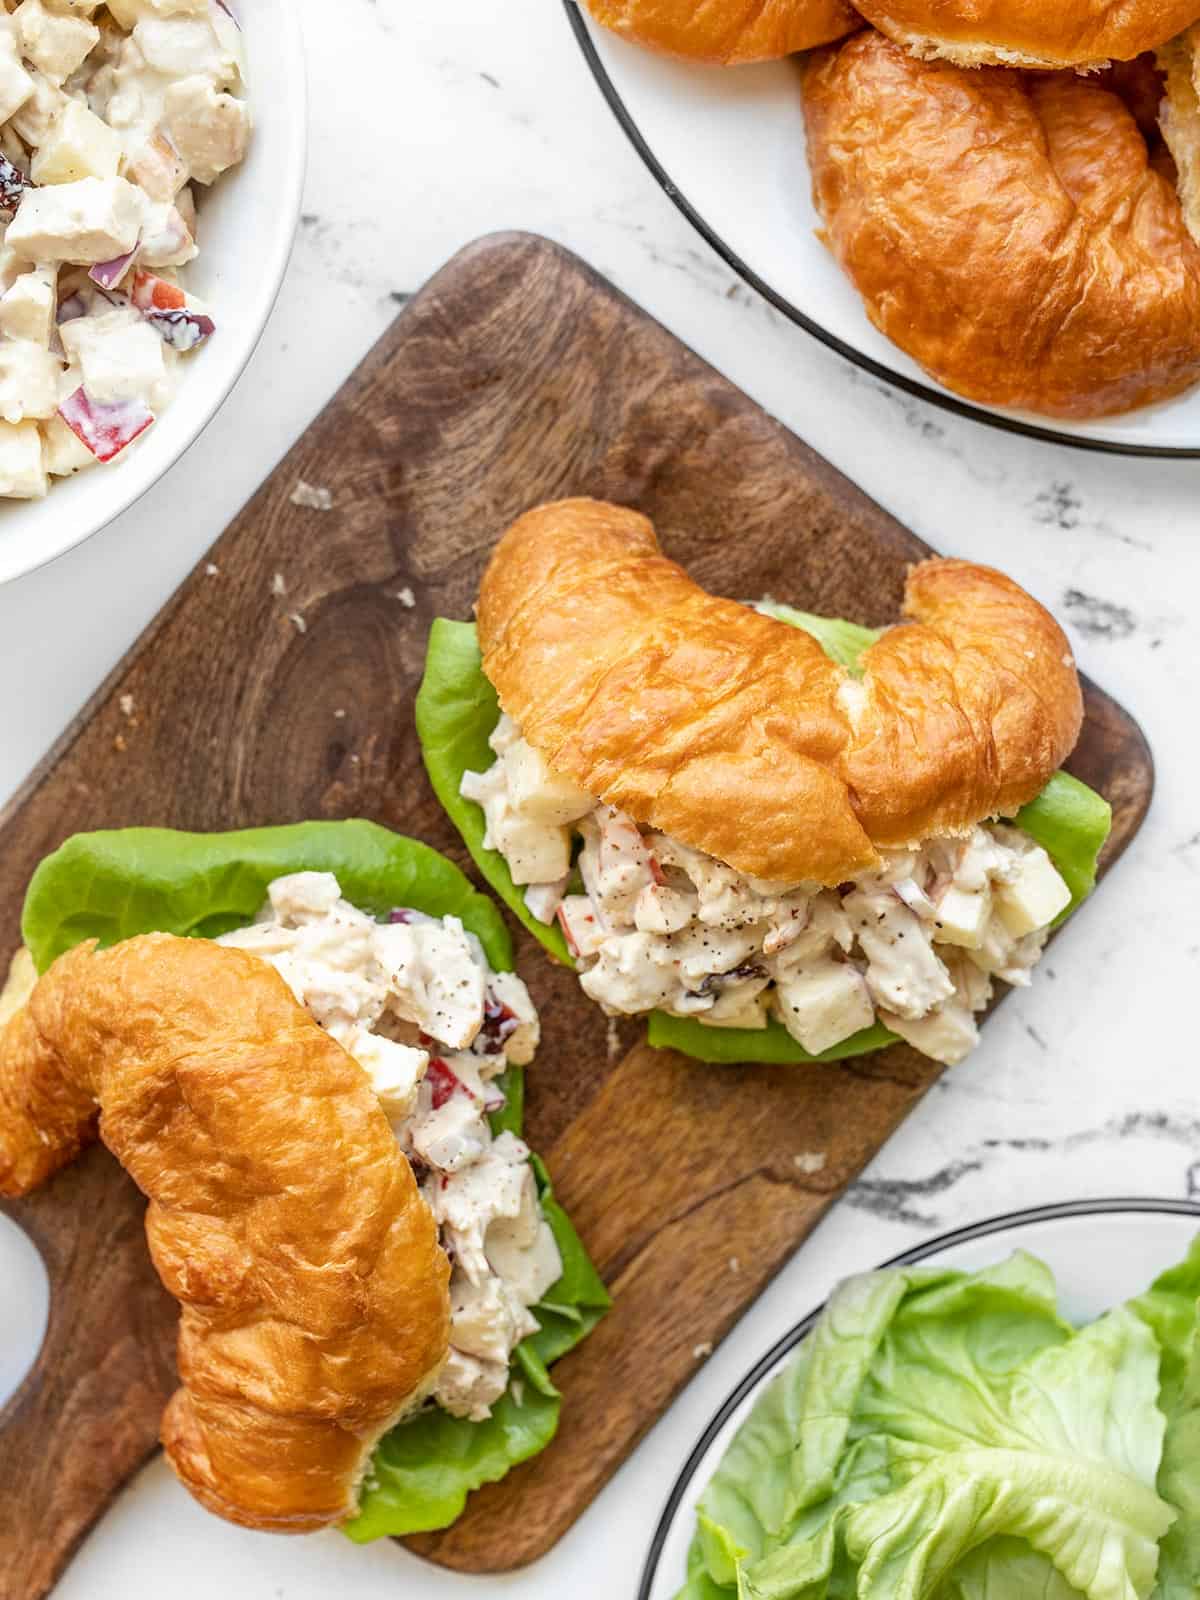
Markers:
(1071, 1210)
(1021, 423)
(263, 295)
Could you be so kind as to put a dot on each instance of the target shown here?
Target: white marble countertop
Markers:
(470, 117)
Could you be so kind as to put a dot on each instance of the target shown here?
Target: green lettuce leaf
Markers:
(772, 1045)
(844, 641)
(1169, 1308)
(947, 1436)
(1071, 823)
(112, 886)
(457, 710)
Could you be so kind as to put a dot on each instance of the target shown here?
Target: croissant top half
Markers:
(282, 1214)
(737, 734)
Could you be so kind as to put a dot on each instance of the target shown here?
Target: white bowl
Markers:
(247, 225)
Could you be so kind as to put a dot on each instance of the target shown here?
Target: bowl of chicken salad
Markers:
(152, 159)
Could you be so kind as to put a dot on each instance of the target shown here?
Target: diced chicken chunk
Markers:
(29, 377)
(120, 354)
(16, 85)
(95, 219)
(209, 129)
(77, 145)
(57, 42)
(27, 308)
(434, 979)
(22, 469)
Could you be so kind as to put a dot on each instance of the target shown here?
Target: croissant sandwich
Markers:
(782, 836)
(305, 1046)
(727, 32)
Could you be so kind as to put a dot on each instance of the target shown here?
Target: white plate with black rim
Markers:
(1101, 1252)
(728, 147)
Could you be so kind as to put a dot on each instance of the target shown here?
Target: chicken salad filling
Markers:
(415, 1002)
(110, 116)
(656, 925)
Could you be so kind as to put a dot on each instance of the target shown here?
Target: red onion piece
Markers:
(229, 14)
(182, 330)
(106, 428)
(13, 184)
(164, 306)
(108, 274)
(73, 307)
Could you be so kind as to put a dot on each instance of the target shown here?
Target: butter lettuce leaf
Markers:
(457, 710)
(1071, 823)
(111, 886)
(1169, 1308)
(948, 1436)
(114, 885)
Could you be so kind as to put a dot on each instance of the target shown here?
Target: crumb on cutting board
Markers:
(311, 497)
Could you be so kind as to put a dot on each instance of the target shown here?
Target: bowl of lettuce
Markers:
(457, 709)
(1011, 1412)
(112, 886)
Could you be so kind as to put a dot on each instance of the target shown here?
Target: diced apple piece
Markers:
(580, 925)
(948, 1035)
(28, 308)
(22, 469)
(535, 852)
(822, 1004)
(961, 917)
(539, 792)
(55, 42)
(16, 85)
(79, 145)
(95, 219)
(28, 380)
(64, 452)
(105, 429)
(1035, 897)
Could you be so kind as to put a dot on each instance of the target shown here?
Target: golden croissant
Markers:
(282, 1214)
(727, 32)
(736, 733)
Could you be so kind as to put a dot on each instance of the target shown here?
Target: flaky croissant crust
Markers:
(1012, 232)
(727, 32)
(736, 733)
(282, 1215)
(1030, 33)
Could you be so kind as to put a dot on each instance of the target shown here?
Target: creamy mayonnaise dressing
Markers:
(414, 1001)
(656, 925)
(109, 115)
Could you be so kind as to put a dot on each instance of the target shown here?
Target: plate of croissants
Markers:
(994, 204)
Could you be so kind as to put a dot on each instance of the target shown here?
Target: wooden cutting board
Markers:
(516, 376)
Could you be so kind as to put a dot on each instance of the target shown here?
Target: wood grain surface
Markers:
(515, 376)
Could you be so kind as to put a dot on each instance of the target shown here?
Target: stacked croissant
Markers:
(1012, 185)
